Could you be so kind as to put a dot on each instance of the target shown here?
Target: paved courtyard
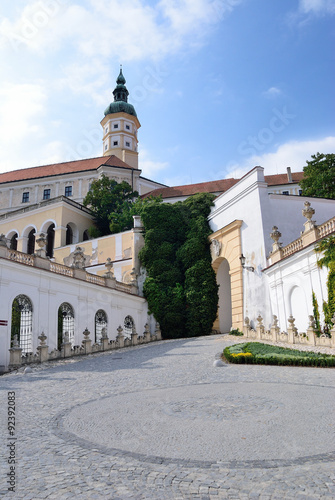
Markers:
(159, 421)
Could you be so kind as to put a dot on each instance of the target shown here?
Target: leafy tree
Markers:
(319, 176)
(110, 203)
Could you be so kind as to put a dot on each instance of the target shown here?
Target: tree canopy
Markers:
(110, 203)
(319, 176)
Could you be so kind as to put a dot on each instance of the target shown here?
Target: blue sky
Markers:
(219, 86)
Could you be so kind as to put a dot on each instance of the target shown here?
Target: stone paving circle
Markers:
(161, 421)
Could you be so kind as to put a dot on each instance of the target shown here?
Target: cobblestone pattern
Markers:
(59, 459)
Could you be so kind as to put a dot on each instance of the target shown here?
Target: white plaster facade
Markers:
(249, 201)
(291, 283)
(48, 290)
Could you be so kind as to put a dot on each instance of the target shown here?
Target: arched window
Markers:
(69, 235)
(31, 242)
(13, 242)
(65, 323)
(86, 235)
(22, 322)
(128, 326)
(50, 240)
(100, 323)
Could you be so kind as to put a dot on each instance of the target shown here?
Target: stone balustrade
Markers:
(67, 350)
(72, 272)
(291, 336)
(311, 234)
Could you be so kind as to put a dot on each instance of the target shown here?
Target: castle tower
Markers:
(120, 126)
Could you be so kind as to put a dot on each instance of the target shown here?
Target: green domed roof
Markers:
(120, 103)
(120, 106)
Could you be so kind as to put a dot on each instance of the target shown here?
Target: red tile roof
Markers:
(189, 189)
(219, 186)
(62, 168)
(275, 180)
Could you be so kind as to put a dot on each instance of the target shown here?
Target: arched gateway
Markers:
(226, 252)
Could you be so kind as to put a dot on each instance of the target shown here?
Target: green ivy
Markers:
(181, 287)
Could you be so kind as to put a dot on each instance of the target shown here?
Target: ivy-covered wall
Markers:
(180, 287)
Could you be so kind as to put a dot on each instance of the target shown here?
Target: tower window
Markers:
(127, 127)
(25, 197)
(46, 194)
(105, 147)
(68, 190)
(116, 125)
(115, 143)
(128, 144)
(106, 130)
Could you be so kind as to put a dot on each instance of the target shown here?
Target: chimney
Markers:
(289, 174)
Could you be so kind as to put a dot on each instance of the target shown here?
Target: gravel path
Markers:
(159, 421)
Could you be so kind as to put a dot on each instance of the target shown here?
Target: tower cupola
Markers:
(120, 126)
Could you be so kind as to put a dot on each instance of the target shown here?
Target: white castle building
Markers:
(48, 284)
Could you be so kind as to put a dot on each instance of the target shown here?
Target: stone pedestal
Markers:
(42, 349)
(87, 342)
(15, 355)
(120, 337)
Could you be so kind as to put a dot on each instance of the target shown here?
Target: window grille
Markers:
(65, 323)
(100, 323)
(22, 322)
(128, 326)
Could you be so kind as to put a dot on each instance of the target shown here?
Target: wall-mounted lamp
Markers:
(248, 268)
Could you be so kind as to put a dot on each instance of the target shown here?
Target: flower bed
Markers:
(265, 354)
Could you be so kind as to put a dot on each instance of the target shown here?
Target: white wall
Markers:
(291, 282)
(249, 201)
(47, 291)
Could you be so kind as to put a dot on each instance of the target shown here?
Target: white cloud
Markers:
(148, 166)
(291, 154)
(20, 105)
(317, 6)
(272, 92)
(106, 28)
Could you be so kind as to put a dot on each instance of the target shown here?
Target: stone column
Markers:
(291, 330)
(274, 330)
(66, 346)
(120, 337)
(147, 334)
(310, 233)
(104, 339)
(277, 251)
(60, 236)
(246, 326)
(311, 331)
(42, 349)
(133, 336)
(41, 242)
(158, 332)
(87, 342)
(260, 327)
(15, 359)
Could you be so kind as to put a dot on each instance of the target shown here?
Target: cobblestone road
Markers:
(159, 421)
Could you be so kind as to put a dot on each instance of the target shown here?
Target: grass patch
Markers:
(265, 354)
